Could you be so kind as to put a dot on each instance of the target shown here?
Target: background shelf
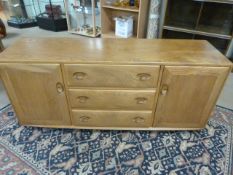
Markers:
(131, 9)
(199, 19)
(182, 13)
(216, 18)
(109, 12)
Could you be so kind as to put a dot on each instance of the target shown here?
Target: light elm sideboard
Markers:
(113, 83)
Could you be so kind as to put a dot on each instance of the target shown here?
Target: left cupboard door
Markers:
(37, 93)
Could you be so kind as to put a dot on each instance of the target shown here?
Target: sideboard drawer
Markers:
(112, 99)
(83, 75)
(101, 118)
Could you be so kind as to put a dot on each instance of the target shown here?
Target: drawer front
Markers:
(82, 75)
(112, 99)
(99, 118)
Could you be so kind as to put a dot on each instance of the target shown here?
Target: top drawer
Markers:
(120, 76)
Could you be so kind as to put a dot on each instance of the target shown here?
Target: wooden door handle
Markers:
(84, 119)
(59, 87)
(82, 99)
(144, 76)
(164, 90)
(139, 120)
(79, 75)
(141, 100)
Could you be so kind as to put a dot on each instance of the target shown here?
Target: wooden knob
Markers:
(59, 87)
(143, 76)
(84, 119)
(141, 100)
(164, 90)
(82, 99)
(79, 75)
(139, 120)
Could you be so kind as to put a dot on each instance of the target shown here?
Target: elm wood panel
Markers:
(116, 128)
(117, 76)
(112, 99)
(102, 118)
(114, 51)
(188, 95)
(32, 89)
(142, 19)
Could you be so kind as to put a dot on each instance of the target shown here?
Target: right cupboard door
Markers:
(188, 95)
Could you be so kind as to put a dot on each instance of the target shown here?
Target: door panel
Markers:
(36, 92)
(188, 95)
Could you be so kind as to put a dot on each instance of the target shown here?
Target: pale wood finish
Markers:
(176, 82)
(112, 99)
(109, 12)
(131, 9)
(114, 51)
(102, 118)
(117, 128)
(35, 94)
(142, 22)
(118, 76)
(187, 95)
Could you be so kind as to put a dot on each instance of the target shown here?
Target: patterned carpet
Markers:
(27, 150)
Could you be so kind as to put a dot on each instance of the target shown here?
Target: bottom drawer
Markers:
(100, 118)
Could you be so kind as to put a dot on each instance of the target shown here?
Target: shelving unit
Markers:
(109, 12)
(83, 17)
(210, 20)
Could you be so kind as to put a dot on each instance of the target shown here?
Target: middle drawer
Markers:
(112, 99)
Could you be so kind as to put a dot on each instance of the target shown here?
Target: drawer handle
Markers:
(164, 90)
(84, 119)
(82, 99)
(79, 75)
(141, 100)
(139, 120)
(59, 87)
(143, 76)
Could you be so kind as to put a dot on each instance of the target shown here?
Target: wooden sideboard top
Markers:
(114, 51)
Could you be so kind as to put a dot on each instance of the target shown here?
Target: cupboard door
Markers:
(188, 95)
(37, 93)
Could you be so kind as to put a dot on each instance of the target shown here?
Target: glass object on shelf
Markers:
(126, 3)
(20, 13)
(84, 17)
(51, 15)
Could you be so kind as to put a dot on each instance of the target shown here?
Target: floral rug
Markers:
(28, 150)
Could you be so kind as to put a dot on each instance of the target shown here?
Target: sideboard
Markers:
(134, 84)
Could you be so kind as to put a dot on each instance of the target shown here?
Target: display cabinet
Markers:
(51, 15)
(83, 17)
(110, 9)
(210, 20)
(20, 13)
